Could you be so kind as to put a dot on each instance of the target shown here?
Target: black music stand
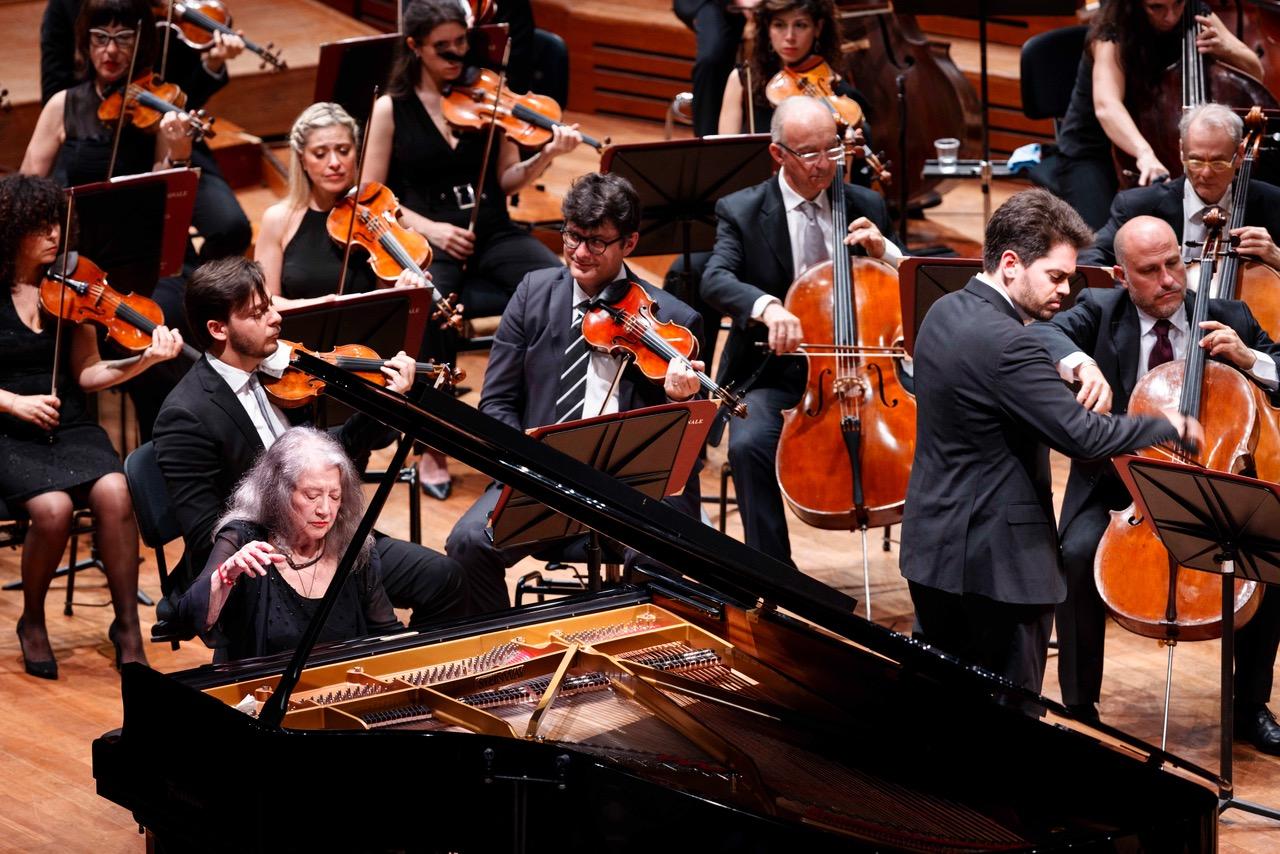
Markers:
(387, 320)
(349, 69)
(652, 450)
(679, 182)
(924, 281)
(136, 227)
(1215, 522)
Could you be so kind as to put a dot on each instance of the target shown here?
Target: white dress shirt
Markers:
(1193, 230)
(602, 369)
(242, 384)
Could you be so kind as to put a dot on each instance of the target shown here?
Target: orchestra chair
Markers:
(679, 111)
(569, 555)
(1047, 86)
(157, 525)
(408, 475)
(550, 66)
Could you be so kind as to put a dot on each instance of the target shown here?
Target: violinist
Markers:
(541, 370)
(978, 548)
(217, 216)
(1211, 149)
(789, 33)
(300, 261)
(766, 236)
(218, 420)
(434, 171)
(53, 455)
(1107, 341)
(1129, 45)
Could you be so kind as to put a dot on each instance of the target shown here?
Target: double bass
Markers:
(844, 456)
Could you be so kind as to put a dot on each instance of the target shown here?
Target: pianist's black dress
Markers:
(29, 463)
(264, 615)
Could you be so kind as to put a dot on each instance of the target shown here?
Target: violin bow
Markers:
(355, 198)
(168, 30)
(493, 132)
(124, 102)
(62, 292)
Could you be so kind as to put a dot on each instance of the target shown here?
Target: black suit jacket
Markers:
(979, 512)
(522, 376)
(1262, 207)
(205, 443)
(1104, 324)
(752, 257)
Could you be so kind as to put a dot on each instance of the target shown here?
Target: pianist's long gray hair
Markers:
(264, 494)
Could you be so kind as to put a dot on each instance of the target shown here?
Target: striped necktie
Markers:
(576, 359)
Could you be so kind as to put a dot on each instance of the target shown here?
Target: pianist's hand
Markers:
(252, 559)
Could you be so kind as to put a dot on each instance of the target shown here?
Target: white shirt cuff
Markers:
(1264, 371)
(757, 309)
(1069, 364)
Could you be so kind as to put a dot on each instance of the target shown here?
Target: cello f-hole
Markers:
(813, 411)
(880, 386)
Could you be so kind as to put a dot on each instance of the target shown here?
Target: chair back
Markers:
(151, 505)
(551, 67)
(1049, 64)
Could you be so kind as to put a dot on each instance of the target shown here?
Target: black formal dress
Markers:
(312, 260)
(85, 156)
(436, 180)
(205, 442)
(80, 452)
(752, 258)
(520, 385)
(1262, 207)
(1105, 326)
(978, 544)
(265, 614)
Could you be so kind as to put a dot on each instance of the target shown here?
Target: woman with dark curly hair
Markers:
(1129, 45)
(788, 33)
(53, 456)
(287, 525)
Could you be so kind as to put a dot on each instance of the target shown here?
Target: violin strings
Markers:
(663, 348)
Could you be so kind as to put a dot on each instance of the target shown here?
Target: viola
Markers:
(815, 78)
(527, 119)
(1142, 587)
(82, 295)
(483, 12)
(295, 388)
(145, 101)
(372, 222)
(630, 326)
(196, 21)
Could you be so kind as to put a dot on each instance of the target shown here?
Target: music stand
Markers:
(652, 450)
(924, 281)
(349, 69)
(1213, 522)
(387, 320)
(679, 182)
(136, 227)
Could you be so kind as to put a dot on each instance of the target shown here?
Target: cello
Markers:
(844, 455)
(1144, 590)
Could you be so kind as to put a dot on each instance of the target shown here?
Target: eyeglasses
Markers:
(595, 245)
(1218, 166)
(811, 157)
(123, 39)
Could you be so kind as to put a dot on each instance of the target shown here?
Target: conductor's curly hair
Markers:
(28, 204)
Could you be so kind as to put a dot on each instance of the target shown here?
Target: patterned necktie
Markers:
(264, 407)
(813, 247)
(1162, 350)
(571, 390)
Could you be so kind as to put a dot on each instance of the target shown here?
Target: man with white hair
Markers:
(1212, 152)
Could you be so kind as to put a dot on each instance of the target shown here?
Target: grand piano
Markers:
(732, 705)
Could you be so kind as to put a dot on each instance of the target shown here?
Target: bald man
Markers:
(1107, 341)
(766, 236)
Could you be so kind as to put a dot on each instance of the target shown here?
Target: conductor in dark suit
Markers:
(766, 236)
(1211, 155)
(1107, 342)
(218, 419)
(541, 371)
(978, 545)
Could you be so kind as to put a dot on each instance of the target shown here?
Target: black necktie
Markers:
(571, 390)
(1162, 350)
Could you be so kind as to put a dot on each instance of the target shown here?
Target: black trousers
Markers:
(753, 453)
(718, 33)
(1082, 623)
(415, 577)
(1089, 185)
(1005, 638)
(217, 216)
(501, 260)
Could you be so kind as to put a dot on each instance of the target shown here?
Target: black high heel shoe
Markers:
(47, 669)
(111, 636)
(438, 491)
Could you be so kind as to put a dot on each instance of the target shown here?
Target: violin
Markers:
(295, 388)
(527, 119)
(145, 101)
(392, 248)
(195, 22)
(483, 12)
(816, 79)
(83, 295)
(629, 326)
